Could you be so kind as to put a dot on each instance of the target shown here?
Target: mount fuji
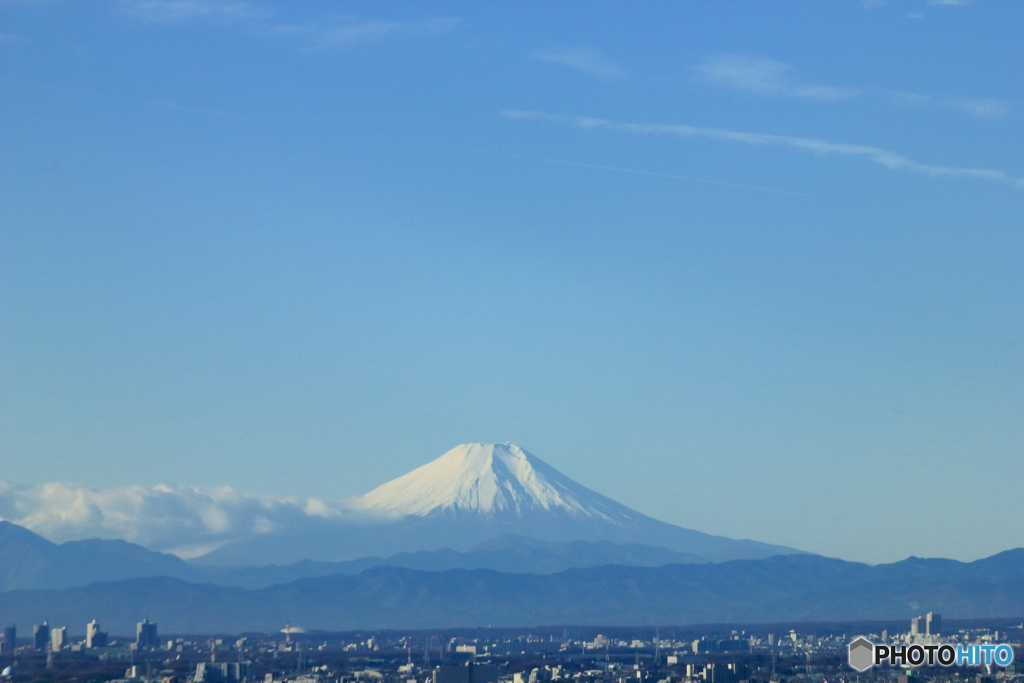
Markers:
(477, 493)
(491, 480)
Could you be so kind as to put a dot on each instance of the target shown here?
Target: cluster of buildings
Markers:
(222, 672)
(578, 655)
(54, 639)
(925, 630)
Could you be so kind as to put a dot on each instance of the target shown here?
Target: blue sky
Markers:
(754, 269)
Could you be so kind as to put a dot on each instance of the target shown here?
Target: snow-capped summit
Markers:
(489, 478)
(476, 493)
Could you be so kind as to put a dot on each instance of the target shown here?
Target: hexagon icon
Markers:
(862, 654)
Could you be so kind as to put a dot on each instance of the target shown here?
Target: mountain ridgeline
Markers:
(781, 588)
(29, 561)
(487, 533)
(478, 506)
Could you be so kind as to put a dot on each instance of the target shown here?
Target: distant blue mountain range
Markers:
(780, 588)
(29, 561)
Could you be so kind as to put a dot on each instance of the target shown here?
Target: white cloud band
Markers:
(587, 61)
(883, 157)
(185, 520)
(258, 21)
(767, 77)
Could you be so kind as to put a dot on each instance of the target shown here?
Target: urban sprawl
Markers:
(761, 654)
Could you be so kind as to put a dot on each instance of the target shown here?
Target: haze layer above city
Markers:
(753, 270)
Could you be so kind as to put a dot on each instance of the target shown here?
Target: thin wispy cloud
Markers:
(761, 76)
(254, 20)
(981, 109)
(585, 60)
(178, 11)
(766, 77)
(354, 34)
(871, 4)
(877, 155)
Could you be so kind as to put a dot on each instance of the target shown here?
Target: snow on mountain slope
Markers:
(474, 493)
(490, 479)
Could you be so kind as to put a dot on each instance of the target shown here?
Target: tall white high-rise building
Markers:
(145, 634)
(94, 637)
(58, 636)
